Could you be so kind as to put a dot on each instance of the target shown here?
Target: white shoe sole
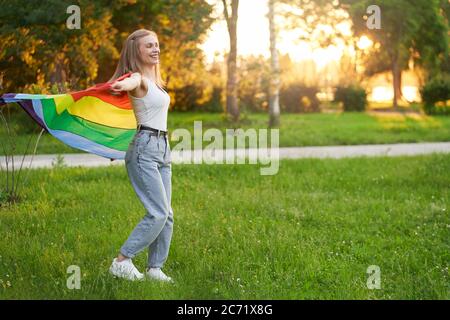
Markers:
(147, 277)
(115, 276)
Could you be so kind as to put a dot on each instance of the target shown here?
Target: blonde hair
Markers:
(130, 61)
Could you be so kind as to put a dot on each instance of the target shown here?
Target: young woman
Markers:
(148, 158)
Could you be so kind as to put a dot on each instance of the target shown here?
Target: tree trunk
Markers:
(232, 100)
(274, 106)
(58, 76)
(396, 82)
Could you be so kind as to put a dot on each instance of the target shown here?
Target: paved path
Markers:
(402, 149)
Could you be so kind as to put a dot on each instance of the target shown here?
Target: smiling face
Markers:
(149, 50)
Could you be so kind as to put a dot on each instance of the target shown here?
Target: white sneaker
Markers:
(157, 274)
(125, 269)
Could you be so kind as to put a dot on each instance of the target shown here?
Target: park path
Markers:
(373, 150)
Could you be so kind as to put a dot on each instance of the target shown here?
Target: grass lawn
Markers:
(296, 129)
(309, 232)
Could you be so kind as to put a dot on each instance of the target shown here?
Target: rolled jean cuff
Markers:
(126, 253)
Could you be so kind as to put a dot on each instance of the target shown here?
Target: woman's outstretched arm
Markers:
(127, 84)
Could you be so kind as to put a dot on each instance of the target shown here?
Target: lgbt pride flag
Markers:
(93, 120)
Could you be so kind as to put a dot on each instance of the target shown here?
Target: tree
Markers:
(180, 24)
(409, 30)
(37, 47)
(232, 98)
(274, 106)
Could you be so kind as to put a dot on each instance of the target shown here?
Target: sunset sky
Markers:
(253, 36)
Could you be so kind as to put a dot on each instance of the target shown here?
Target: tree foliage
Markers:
(38, 49)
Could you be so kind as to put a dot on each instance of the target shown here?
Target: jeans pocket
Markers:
(148, 140)
(149, 144)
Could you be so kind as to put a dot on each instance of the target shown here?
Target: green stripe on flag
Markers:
(110, 137)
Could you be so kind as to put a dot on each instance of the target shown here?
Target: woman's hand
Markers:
(117, 87)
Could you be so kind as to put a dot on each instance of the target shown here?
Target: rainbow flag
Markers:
(93, 120)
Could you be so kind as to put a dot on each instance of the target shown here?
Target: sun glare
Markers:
(364, 43)
(253, 37)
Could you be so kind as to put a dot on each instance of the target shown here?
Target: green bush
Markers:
(435, 94)
(214, 104)
(354, 98)
(186, 97)
(192, 98)
(299, 98)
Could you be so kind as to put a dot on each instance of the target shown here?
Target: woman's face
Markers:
(149, 49)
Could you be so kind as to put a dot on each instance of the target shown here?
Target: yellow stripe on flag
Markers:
(62, 101)
(98, 111)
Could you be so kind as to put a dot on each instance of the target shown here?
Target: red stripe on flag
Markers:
(102, 91)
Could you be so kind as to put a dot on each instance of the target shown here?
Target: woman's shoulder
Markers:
(143, 79)
(142, 89)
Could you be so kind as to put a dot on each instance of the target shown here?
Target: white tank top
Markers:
(151, 110)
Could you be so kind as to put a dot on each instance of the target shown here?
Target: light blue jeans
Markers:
(149, 167)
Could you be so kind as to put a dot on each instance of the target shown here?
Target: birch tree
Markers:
(274, 106)
(231, 19)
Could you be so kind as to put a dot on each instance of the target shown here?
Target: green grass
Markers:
(309, 232)
(296, 129)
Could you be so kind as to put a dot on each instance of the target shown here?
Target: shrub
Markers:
(435, 94)
(195, 97)
(299, 98)
(186, 98)
(214, 103)
(354, 98)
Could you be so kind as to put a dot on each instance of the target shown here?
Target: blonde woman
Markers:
(148, 158)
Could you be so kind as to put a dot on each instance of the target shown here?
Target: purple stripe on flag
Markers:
(27, 105)
(6, 95)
